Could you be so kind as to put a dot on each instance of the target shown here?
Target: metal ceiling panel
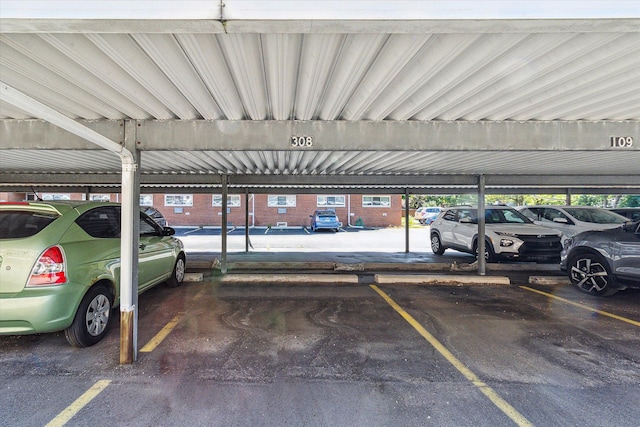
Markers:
(559, 76)
(372, 73)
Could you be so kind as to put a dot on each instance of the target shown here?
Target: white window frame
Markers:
(100, 197)
(322, 201)
(233, 200)
(56, 196)
(275, 200)
(371, 203)
(146, 200)
(183, 200)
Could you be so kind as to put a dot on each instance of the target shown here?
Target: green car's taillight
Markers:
(49, 269)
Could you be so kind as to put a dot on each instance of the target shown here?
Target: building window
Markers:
(233, 200)
(376, 201)
(146, 200)
(55, 196)
(178, 200)
(331, 201)
(288, 201)
(99, 197)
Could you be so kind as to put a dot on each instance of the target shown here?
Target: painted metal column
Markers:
(246, 220)
(482, 263)
(225, 192)
(129, 247)
(568, 197)
(406, 220)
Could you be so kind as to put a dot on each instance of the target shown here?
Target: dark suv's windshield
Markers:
(20, 224)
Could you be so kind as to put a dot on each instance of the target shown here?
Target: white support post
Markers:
(482, 264)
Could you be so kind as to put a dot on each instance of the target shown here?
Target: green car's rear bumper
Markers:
(35, 310)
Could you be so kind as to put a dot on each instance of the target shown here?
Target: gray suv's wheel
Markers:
(590, 274)
(436, 244)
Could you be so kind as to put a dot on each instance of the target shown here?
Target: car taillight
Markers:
(50, 269)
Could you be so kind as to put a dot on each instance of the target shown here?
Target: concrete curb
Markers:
(367, 266)
(440, 279)
(549, 280)
(332, 279)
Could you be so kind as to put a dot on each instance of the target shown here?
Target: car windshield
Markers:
(20, 224)
(502, 216)
(595, 216)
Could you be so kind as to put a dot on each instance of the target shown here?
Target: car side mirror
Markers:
(168, 231)
(561, 220)
(631, 227)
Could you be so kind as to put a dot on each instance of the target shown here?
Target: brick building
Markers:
(200, 209)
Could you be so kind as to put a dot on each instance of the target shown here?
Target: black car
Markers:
(604, 261)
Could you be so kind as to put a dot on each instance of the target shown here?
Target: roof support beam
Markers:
(167, 181)
(249, 135)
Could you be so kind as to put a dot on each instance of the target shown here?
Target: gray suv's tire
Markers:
(590, 274)
(436, 244)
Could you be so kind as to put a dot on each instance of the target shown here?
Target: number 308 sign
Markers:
(301, 141)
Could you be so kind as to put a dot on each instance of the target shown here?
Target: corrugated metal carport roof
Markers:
(418, 100)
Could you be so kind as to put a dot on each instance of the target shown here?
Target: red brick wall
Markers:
(202, 213)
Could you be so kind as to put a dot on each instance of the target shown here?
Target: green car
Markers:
(60, 266)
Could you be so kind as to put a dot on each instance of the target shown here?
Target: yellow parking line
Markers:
(584, 307)
(64, 416)
(502, 404)
(160, 336)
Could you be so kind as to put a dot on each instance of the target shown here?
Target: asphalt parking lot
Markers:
(218, 353)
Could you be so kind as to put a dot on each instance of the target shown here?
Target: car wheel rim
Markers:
(435, 244)
(180, 270)
(97, 317)
(589, 275)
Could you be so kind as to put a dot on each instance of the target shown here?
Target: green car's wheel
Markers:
(177, 277)
(92, 319)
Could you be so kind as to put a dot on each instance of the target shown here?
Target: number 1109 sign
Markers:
(301, 141)
(621, 142)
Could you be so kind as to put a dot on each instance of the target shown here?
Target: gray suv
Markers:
(602, 262)
(508, 235)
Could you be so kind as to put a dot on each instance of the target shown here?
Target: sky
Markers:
(319, 9)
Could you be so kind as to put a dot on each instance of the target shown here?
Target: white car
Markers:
(508, 235)
(571, 220)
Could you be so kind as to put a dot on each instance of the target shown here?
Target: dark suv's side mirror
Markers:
(631, 227)
(168, 231)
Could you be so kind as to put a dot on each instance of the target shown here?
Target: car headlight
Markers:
(506, 242)
(567, 243)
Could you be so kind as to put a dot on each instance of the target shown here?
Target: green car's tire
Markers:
(177, 277)
(92, 319)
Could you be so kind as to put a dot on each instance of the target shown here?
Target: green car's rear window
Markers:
(19, 224)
